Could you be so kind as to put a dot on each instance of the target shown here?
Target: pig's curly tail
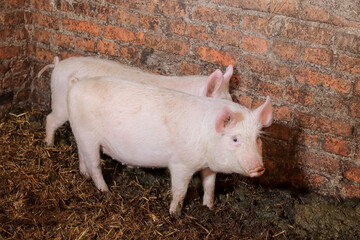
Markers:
(56, 61)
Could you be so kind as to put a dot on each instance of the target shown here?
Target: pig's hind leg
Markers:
(90, 165)
(53, 122)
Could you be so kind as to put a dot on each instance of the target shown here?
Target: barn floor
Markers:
(43, 196)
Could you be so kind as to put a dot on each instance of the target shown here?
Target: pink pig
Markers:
(216, 85)
(148, 126)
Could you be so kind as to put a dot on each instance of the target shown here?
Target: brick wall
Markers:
(302, 53)
(14, 63)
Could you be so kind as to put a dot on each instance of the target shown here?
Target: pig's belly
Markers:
(146, 153)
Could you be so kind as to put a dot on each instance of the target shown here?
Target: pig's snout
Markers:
(257, 172)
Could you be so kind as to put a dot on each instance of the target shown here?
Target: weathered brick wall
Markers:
(303, 53)
(14, 63)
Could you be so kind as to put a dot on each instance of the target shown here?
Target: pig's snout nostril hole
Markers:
(257, 172)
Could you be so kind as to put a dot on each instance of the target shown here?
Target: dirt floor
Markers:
(43, 196)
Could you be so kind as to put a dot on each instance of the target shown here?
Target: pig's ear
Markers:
(225, 119)
(213, 83)
(228, 73)
(265, 113)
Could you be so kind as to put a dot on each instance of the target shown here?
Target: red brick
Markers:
(65, 40)
(352, 172)
(106, 47)
(351, 190)
(336, 146)
(319, 56)
(340, 85)
(264, 26)
(246, 101)
(217, 57)
(358, 153)
(282, 113)
(318, 161)
(232, 3)
(189, 68)
(324, 125)
(308, 76)
(357, 87)
(129, 52)
(314, 13)
(14, 34)
(303, 32)
(9, 52)
(230, 37)
(14, 81)
(177, 26)
(242, 83)
(45, 21)
(63, 5)
(17, 3)
(104, 12)
(308, 140)
(283, 7)
(67, 54)
(12, 18)
(279, 131)
(347, 42)
(287, 51)
(254, 44)
(264, 67)
(166, 44)
(23, 95)
(119, 33)
(82, 26)
(168, 8)
(84, 8)
(149, 22)
(268, 89)
(85, 44)
(41, 36)
(43, 5)
(355, 108)
(259, 5)
(216, 16)
(124, 16)
(315, 180)
(198, 32)
(136, 4)
(19, 65)
(340, 21)
(349, 64)
(44, 55)
(299, 97)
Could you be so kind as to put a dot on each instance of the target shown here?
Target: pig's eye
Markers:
(235, 139)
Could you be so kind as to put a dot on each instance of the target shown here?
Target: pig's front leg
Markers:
(180, 178)
(208, 181)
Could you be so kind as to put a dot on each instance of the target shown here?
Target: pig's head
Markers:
(238, 147)
(217, 84)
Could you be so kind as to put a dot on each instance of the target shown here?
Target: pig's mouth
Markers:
(257, 172)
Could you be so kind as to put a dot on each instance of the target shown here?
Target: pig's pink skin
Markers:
(216, 85)
(147, 126)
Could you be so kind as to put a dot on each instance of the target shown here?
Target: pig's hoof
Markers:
(49, 142)
(210, 205)
(175, 211)
(85, 174)
(104, 188)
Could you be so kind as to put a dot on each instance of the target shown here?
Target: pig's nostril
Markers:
(257, 172)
